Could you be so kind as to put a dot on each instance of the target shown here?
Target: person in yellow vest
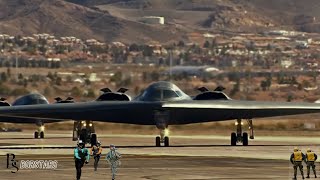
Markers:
(296, 159)
(311, 157)
(96, 153)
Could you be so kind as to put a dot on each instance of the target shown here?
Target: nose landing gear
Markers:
(40, 132)
(84, 130)
(240, 136)
(163, 138)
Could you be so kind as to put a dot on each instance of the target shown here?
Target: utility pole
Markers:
(17, 72)
(170, 70)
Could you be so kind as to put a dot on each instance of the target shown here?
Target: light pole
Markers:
(17, 73)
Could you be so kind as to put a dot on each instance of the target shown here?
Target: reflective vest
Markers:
(310, 156)
(96, 150)
(297, 156)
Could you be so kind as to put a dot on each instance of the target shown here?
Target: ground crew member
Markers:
(311, 157)
(81, 156)
(296, 159)
(96, 153)
(113, 158)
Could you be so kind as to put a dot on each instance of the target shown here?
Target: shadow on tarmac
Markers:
(11, 146)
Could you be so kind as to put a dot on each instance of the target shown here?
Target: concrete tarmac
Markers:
(189, 157)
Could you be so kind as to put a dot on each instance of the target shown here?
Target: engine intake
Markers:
(217, 94)
(212, 96)
(108, 95)
(3, 102)
(67, 100)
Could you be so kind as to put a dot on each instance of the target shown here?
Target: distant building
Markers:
(192, 70)
(152, 20)
(282, 33)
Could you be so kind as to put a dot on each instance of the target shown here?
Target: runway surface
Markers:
(189, 157)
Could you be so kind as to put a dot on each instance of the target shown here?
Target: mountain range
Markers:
(120, 20)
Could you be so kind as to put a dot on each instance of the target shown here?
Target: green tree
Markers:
(155, 76)
(289, 97)
(147, 51)
(58, 81)
(306, 83)
(47, 91)
(8, 72)
(236, 88)
(214, 43)
(75, 91)
(87, 82)
(181, 43)
(25, 83)
(43, 49)
(4, 90)
(117, 77)
(91, 93)
(50, 76)
(264, 85)
(206, 44)
(134, 47)
(4, 77)
(126, 82)
(20, 76)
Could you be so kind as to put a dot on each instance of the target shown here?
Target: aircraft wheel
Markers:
(158, 141)
(233, 139)
(36, 135)
(83, 135)
(93, 139)
(41, 135)
(245, 139)
(166, 141)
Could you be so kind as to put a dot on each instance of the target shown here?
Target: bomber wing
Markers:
(138, 112)
(205, 111)
(110, 111)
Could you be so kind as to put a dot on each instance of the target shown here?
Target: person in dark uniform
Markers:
(96, 153)
(311, 157)
(81, 156)
(296, 159)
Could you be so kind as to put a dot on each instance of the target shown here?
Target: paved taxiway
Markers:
(190, 157)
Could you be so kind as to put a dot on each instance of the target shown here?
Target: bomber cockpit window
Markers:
(179, 93)
(152, 95)
(169, 94)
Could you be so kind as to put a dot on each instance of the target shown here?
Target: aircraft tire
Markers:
(93, 139)
(166, 141)
(245, 139)
(36, 135)
(41, 135)
(233, 139)
(158, 141)
(83, 135)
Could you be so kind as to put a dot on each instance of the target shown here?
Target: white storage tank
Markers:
(153, 19)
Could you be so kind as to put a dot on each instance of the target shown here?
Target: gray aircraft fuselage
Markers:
(161, 102)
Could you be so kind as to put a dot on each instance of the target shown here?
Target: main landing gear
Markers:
(163, 138)
(84, 130)
(239, 136)
(40, 132)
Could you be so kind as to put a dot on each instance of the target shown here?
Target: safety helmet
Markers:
(80, 143)
(309, 150)
(295, 149)
(112, 147)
